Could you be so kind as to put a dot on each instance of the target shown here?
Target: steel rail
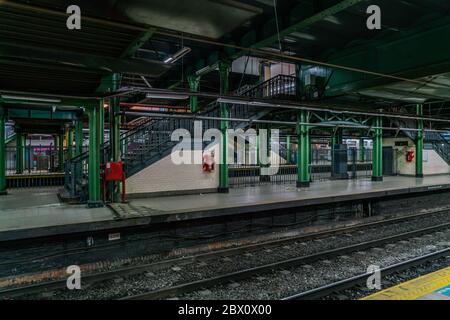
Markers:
(326, 290)
(102, 276)
(289, 263)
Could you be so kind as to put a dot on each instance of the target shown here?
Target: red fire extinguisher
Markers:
(410, 156)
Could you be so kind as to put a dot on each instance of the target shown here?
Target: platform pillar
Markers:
(94, 155)
(194, 83)
(102, 123)
(78, 137)
(60, 139)
(2, 152)
(20, 153)
(377, 162)
(224, 70)
(303, 154)
(288, 149)
(362, 150)
(70, 148)
(114, 133)
(419, 142)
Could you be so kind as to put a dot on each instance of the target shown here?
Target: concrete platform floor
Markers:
(40, 209)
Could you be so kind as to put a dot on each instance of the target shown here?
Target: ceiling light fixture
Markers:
(177, 55)
(170, 96)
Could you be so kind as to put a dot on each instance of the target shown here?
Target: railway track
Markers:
(248, 273)
(167, 292)
(333, 289)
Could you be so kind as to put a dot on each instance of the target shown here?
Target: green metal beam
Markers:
(94, 156)
(70, 148)
(138, 43)
(224, 71)
(377, 161)
(303, 150)
(194, 83)
(419, 142)
(29, 113)
(79, 137)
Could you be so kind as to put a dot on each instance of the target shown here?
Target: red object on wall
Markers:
(114, 171)
(208, 162)
(410, 156)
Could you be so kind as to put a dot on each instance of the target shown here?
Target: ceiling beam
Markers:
(299, 25)
(93, 62)
(138, 43)
(414, 54)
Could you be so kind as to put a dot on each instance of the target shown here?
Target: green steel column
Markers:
(78, 137)
(70, 152)
(377, 162)
(102, 123)
(2, 152)
(94, 155)
(362, 150)
(419, 143)
(288, 149)
(224, 70)
(20, 153)
(194, 82)
(303, 154)
(115, 123)
(61, 153)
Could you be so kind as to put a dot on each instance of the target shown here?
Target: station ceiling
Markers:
(134, 37)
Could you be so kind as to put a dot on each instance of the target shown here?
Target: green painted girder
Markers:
(41, 114)
(93, 62)
(412, 54)
(138, 43)
(299, 20)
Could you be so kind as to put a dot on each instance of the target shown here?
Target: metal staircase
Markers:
(150, 140)
(435, 141)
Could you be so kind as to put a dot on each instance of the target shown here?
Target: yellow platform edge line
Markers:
(415, 288)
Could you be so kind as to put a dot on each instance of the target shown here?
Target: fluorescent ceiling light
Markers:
(177, 55)
(289, 40)
(170, 96)
(37, 99)
(332, 19)
(303, 35)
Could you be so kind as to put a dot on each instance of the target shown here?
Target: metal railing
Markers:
(280, 87)
(359, 165)
(36, 160)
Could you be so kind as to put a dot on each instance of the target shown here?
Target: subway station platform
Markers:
(433, 286)
(37, 212)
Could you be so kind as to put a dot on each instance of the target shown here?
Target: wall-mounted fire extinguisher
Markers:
(410, 156)
(208, 162)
